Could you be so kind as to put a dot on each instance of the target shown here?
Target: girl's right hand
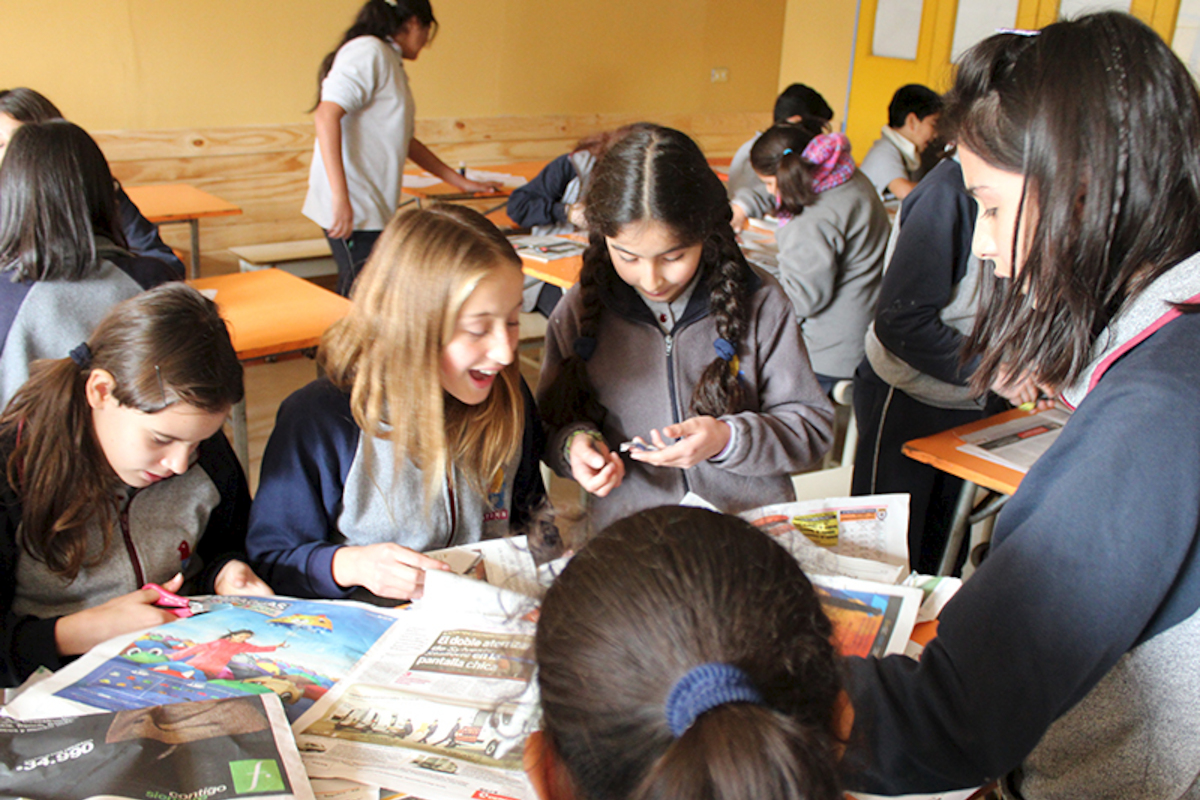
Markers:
(386, 569)
(77, 633)
(343, 219)
(593, 466)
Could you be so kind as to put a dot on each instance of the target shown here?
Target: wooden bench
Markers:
(307, 258)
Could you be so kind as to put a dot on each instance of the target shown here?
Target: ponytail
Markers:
(779, 153)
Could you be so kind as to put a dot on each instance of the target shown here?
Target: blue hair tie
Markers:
(704, 688)
(725, 349)
(82, 356)
(786, 151)
(585, 347)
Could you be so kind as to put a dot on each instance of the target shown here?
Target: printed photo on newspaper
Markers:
(869, 619)
(216, 749)
(296, 649)
(1018, 443)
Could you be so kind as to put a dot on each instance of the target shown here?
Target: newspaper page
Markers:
(857, 537)
(547, 248)
(1018, 443)
(504, 563)
(440, 708)
(218, 749)
(869, 619)
(297, 649)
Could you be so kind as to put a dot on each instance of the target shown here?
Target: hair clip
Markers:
(786, 151)
(1018, 31)
(82, 356)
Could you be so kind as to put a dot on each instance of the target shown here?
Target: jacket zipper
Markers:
(138, 575)
(670, 342)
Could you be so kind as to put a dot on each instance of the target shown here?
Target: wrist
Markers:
(591, 433)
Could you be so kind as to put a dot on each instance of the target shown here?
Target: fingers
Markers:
(175, 584)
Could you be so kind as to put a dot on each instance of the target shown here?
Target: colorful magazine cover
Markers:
(296, 649)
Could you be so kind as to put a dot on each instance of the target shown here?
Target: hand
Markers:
(1019, 387)
(740, 220)
(594, 467)
(77, 633)
(468, 185)
(236, 577)
(575, 216)
(387, 569)
(699, 439)
(343, 219)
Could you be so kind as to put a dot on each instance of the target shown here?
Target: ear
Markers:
(544, 769)
(911, 121)
(99, 388)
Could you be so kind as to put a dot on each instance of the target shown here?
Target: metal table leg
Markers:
(195, 226)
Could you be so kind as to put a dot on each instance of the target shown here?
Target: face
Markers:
(999, 196)
(771, 183)
(649, 258)
(411, 38)
(921, 131)
(485, 336)
(8, 126)
(142, 448)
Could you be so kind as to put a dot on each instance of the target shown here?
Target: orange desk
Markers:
(447, 193)
(563, 272)
(941, 451)
(179, 202)
(270, 313)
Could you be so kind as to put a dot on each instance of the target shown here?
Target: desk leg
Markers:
(958, 528)
(241, 437)
(195, 226)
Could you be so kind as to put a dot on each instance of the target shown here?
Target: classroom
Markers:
(948, 491)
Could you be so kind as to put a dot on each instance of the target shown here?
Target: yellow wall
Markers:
(132, 64)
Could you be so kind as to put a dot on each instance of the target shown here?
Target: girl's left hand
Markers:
(468, 185)
(236, 577)
(699, 439)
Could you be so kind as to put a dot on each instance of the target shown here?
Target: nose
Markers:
(983, 244)
(177, 458)
(503, 347)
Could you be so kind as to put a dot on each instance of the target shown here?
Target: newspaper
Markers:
(547, 248)
(504, 563)
(297, 649)
(869, 619)
(759, 247)
(1018, 443)
(212, 750)
(440, 708)
(856, 537)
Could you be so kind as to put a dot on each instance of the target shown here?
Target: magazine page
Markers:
(858, 537)
(296, 649)
(869, 619)
(1018, 443)
(217, 749)
(440, 708)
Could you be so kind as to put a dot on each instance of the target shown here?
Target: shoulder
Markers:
(881, 151)
(940, 192)
(364, 49)
(317, 412)
(147, 272)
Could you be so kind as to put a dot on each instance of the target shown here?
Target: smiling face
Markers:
(142, 448)
(998, 193)
(485, 336)
(648, 256)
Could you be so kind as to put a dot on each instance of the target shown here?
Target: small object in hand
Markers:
(637, 443)
(179, 606)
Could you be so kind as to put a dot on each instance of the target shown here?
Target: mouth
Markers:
(483, 377)
(151, 477)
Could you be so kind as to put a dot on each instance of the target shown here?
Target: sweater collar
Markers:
(623, 300)
(912, 159)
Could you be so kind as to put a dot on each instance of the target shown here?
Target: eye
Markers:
(987, 213)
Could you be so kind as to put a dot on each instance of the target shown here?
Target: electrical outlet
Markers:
(719, 74)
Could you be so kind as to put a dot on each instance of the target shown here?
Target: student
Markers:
(670, 334)
(1068, 662)
(796, 104)
(61, 247)
(117, 474)
(832, 238)
(893, 162)
(21, 106)
(364, 119)
(674, 615)
(422, 436)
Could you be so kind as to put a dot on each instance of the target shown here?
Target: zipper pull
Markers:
(670, 344)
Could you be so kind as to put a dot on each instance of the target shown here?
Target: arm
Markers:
(142, 235)
(810, 246)
(539, 202)
(930, 258)
(754, 201)
(428, 160)
(901, 187)
(328, 121)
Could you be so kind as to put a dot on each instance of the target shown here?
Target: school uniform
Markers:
(890, 157)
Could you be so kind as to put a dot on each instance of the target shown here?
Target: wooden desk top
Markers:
(178, 202)
(446, 191)
(563, 273)
(272, 312)
(941, 451)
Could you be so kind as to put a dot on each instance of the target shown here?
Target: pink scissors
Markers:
(177, 605)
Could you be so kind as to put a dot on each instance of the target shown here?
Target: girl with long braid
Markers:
(671, 335)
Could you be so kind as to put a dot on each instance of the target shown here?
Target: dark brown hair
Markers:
(780, 152)
(25, 105)
(165, 346)
(1103, 121)
(659, 174)
(654, 596)
(381, 19)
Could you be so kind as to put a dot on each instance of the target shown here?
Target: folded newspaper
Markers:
(210, 750)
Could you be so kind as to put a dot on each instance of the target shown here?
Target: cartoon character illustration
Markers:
(212, 658)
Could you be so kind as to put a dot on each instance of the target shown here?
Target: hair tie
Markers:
(786, 151)
(82, 356)
(725, 349)
(704, 688)
(585, 347)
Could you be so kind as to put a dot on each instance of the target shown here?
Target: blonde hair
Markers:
(387, 351)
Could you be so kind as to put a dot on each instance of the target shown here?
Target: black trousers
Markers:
(350, 255)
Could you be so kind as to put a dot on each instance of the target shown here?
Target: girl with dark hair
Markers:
(670, 333)
(364, 119)
(684, 654)
(1068, 663)
(21, 106)
(117, 474)
(832, 236)
(61, 245)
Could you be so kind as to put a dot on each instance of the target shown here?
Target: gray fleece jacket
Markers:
(644, 378)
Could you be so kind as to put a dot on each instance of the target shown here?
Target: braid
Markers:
(719, 390)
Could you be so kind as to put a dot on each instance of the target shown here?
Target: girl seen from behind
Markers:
(684, 654)
(117, 474)
(671, 335)
(832, 237)
(422, 436)
(364, 120)
(61, 246)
